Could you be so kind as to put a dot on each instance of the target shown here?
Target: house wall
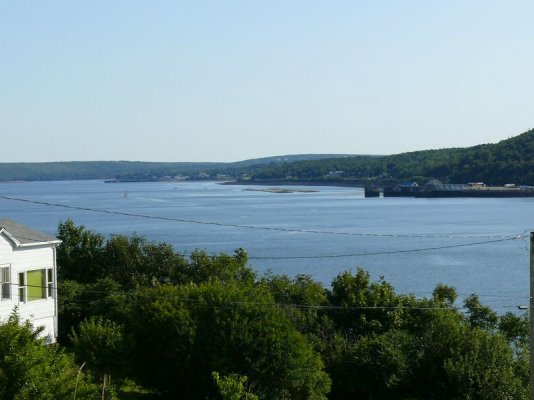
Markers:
(40, 312)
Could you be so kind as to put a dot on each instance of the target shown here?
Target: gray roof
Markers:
(21, 235)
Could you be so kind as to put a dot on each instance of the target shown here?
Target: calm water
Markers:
(498, 272)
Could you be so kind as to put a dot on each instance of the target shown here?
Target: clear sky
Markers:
(227, 80)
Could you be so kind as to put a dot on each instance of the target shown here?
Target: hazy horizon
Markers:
(255, 158)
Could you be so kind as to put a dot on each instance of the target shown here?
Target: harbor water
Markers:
(414, 243)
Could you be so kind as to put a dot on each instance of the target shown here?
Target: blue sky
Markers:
(231, 80)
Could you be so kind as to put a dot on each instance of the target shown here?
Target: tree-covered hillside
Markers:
(509, 161)
(137, 170)
(92, 169)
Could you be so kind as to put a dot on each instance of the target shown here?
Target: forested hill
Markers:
(91, 169)
(508, 161)
(139, 170)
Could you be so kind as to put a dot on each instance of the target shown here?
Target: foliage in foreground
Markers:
(32, 370)
(180, 319)
(232, 387)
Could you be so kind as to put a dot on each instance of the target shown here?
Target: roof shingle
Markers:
(25, 235)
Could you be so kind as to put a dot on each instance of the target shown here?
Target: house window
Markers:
(22, 286)
(36, 285)
(49, 282)
(5, 282)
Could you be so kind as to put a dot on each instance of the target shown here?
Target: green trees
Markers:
(399, 347)
(78, 257)
(182, 319)
(232, 387)
(370, 307)
(142, 311)
(301, 298)
(463, 362)
(377, 367)
(99, 345)
(85, 257)
(181, 334)
(32, 370)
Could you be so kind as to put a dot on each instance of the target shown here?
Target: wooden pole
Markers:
(531, 315)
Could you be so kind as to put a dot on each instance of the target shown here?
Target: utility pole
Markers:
(531, 315)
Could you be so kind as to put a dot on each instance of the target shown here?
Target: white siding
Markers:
(39, 312)
(5, 251)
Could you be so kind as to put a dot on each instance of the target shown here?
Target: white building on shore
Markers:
(28, 276)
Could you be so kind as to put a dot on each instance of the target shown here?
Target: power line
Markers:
(500, 238)
(121, 293)
(255, 227)
(326, 256)
(378, 253)
(497, 238)
(106, 292)
(204, 302)
(192, 302)
(504, 296)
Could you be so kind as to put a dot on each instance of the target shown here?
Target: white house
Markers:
(28, 276)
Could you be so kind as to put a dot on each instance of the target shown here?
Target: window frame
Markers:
(49, 283)
(5, 283)
(22, 287)
(47, 286)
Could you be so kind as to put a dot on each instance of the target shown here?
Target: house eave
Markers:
(18, 244)
(50, 243)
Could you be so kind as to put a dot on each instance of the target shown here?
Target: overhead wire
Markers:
(363, 254)
(226, 304)
(385, 252)
(351, 255)
(256, 227)
(495, 238)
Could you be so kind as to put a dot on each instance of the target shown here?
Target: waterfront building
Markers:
(28, 276)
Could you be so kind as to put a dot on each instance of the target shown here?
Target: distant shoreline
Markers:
(292, 183)
(270, 182)
(281, 190)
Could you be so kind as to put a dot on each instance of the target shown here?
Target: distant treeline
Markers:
(509, 161)
(73, 170)
(92, 169)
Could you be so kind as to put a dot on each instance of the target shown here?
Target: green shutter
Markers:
(36, 284)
